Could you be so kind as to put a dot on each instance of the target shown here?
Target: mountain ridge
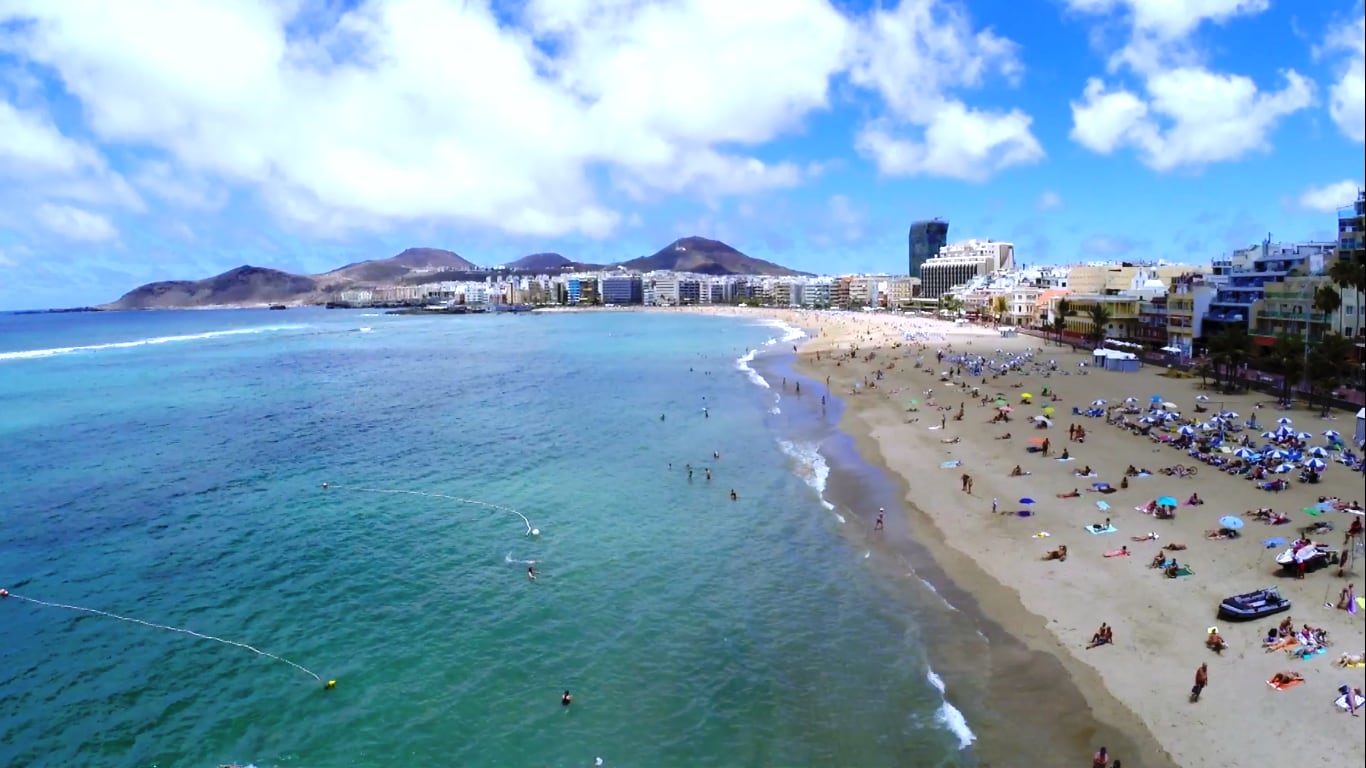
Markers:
(250, 285)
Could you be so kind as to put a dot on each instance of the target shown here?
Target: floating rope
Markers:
(499, 507)
(81, 609)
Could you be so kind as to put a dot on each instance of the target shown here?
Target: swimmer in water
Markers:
(324, 486)
(733, 495)
(531, 572)
(566, 699)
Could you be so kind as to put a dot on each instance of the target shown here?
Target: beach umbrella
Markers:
(1155, 399)
(1283, 467)
(1285, 421)
(1318, 451)
(1187, 430)
(1229, 414)
(1167, 501)
(1171, 406)
(1044, 420)
(1274, 541)
(1231, 521)
(1048, 410)
(1269, 435)
(1000, 401)
(1026, 500)
(1026, 396)
(1130, 400)
(1332, 434)
(1278, 455)
(1304, 436)
(1318, 465)
(1245, 453)
(1202, 398)
(1097, 403)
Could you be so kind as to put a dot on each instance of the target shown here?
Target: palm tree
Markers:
(999, 307)
(1327, 300)
(1329, 363)
(1064, 311)
(1286, 357)
(1347, 274)
(1229, 349)
(1100, 317)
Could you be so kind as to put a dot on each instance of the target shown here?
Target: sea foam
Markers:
(31, 354)
(742, 364)
(811, 468)
(949, 716)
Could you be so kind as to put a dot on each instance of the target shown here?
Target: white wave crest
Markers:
(811, 467)
(790, 332)
(32, 354)
(742, 364)
(949, 716)
(942, 599)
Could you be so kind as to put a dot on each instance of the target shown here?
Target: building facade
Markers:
(959, 263)
(925, 241)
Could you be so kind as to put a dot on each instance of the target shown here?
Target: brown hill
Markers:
(396, 268)
(244, 285)
(707, 257)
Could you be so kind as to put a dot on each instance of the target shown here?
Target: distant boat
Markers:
(278, 306)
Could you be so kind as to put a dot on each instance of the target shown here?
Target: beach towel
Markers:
(1093, 474)
(1042, 535)
(1069, 458)
(1304, 653)
(951, 464)
(1284, 685)
(1102, 505)
(1184, 570)
(1313, 511)
(1143, 474)
(1117, 553)
(1096, 529)
(1341, 701)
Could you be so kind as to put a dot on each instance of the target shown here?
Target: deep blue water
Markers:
(180, 483)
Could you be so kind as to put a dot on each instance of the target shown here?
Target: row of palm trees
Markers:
(1323, 365)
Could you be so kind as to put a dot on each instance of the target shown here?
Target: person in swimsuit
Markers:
(531, 572)
(877, 526)
(566, 699)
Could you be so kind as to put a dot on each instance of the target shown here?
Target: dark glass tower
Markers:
(926, 238)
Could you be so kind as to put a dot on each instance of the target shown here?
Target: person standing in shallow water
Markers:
(881, 512)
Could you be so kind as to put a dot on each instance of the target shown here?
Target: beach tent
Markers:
(1126, 362)
(1361, 427)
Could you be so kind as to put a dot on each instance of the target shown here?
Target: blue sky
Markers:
(146, 141)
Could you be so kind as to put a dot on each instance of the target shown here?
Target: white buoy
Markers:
(535, 531)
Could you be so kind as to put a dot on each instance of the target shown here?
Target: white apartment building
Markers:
(1023, 301)
(959, 263)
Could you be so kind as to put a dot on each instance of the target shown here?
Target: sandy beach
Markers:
(1160, 624)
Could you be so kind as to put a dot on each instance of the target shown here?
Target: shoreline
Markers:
(1136, 689)
(970, 626)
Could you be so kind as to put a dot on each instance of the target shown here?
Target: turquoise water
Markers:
(180, 483)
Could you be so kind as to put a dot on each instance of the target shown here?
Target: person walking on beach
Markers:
(877, 526)
(995, 505)
(1045, 447)
(1101, 759)
(1201, 680)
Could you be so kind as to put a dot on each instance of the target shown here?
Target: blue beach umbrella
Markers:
(1229, 521)
(1245, 453)
(1167, 501)
(1282, 468)
(1285, 421)
(1202, 398)
(1278, 455)
(1304, 436)
(1318, 465)
(1332, 434)
(1274, 541)
(1026, 500)
(1318, 451)
(1097, 403)
(1155, 399)
(1187, 430)
(1269, 435)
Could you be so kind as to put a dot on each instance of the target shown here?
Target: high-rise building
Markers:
(1351, 222)
(958, 263)
(924, 242)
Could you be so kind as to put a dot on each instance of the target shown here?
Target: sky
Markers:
(143, 140)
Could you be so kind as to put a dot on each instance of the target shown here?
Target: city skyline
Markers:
(176, 143)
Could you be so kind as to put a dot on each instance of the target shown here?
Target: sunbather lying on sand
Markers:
(1219, 534)
(1174, 547)
(1017, 472)
(951, 440)
(1283, 643)
(1006, 436)
(1074, 493)
(1285, 679)
(1057, 554)
(1215, 641)
(1149, 536)
(1352, 659)
(1121, 552)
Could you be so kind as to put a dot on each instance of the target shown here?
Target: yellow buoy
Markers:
(330, 685)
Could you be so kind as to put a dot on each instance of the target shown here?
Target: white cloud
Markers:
(1329, 197)
(35, 154)
(403, 110)
(1160, 30)
(913, 56)
(75, 223)
(1347, 97)
(845, 218)
(6, 260)
(1049, 201)
(1186, 115)
(1190, 118)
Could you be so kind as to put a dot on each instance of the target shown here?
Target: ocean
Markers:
(169, 467)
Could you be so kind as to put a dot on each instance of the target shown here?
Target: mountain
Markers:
(398, 267)
(707, 257)
(540, 261)
(244, 285)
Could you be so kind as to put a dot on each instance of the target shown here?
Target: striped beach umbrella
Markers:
(1187, 430)
(1285, 421)
(1318, 451)
(1332, 434)
(1246, 454)
(1318, 465)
